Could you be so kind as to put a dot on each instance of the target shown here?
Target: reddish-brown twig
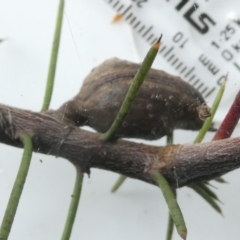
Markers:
(230, 121)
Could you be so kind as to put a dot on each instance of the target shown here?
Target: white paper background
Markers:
(138, 210)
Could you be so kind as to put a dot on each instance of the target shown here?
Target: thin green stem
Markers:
(201, 188)
(128, 101)
(170, 139)
(73, 205)
(171, 201)
(132, 92)
(208, 121)
(53, 59)
(17, 188)
(118, 183)
(170, 227)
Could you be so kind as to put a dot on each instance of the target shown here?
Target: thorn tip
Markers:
(160, 38)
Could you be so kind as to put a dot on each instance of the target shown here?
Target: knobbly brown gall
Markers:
(204, 111)
(163, 103)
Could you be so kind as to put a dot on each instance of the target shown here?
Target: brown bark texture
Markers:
(181, 164)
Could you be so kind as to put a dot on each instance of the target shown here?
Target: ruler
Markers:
(201, 39)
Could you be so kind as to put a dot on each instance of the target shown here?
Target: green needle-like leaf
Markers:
(207, 197)
(208, 121)
(118, 183)
(128, 101)
(201, 188)
(132, 92)
(53, 59)
(171, 201)
(212, 194)
(220, 180)
(170, 227)
(17, 188)
(73, 206)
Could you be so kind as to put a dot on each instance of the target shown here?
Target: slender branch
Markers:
(74, 205)
(17, 188)
(180, 164)
(53, 59)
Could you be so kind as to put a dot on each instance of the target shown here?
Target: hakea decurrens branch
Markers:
(180, 164)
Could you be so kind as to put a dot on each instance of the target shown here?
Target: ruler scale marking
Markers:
(193, 76)
(116, 4)
(146, 33)
(168, 51)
